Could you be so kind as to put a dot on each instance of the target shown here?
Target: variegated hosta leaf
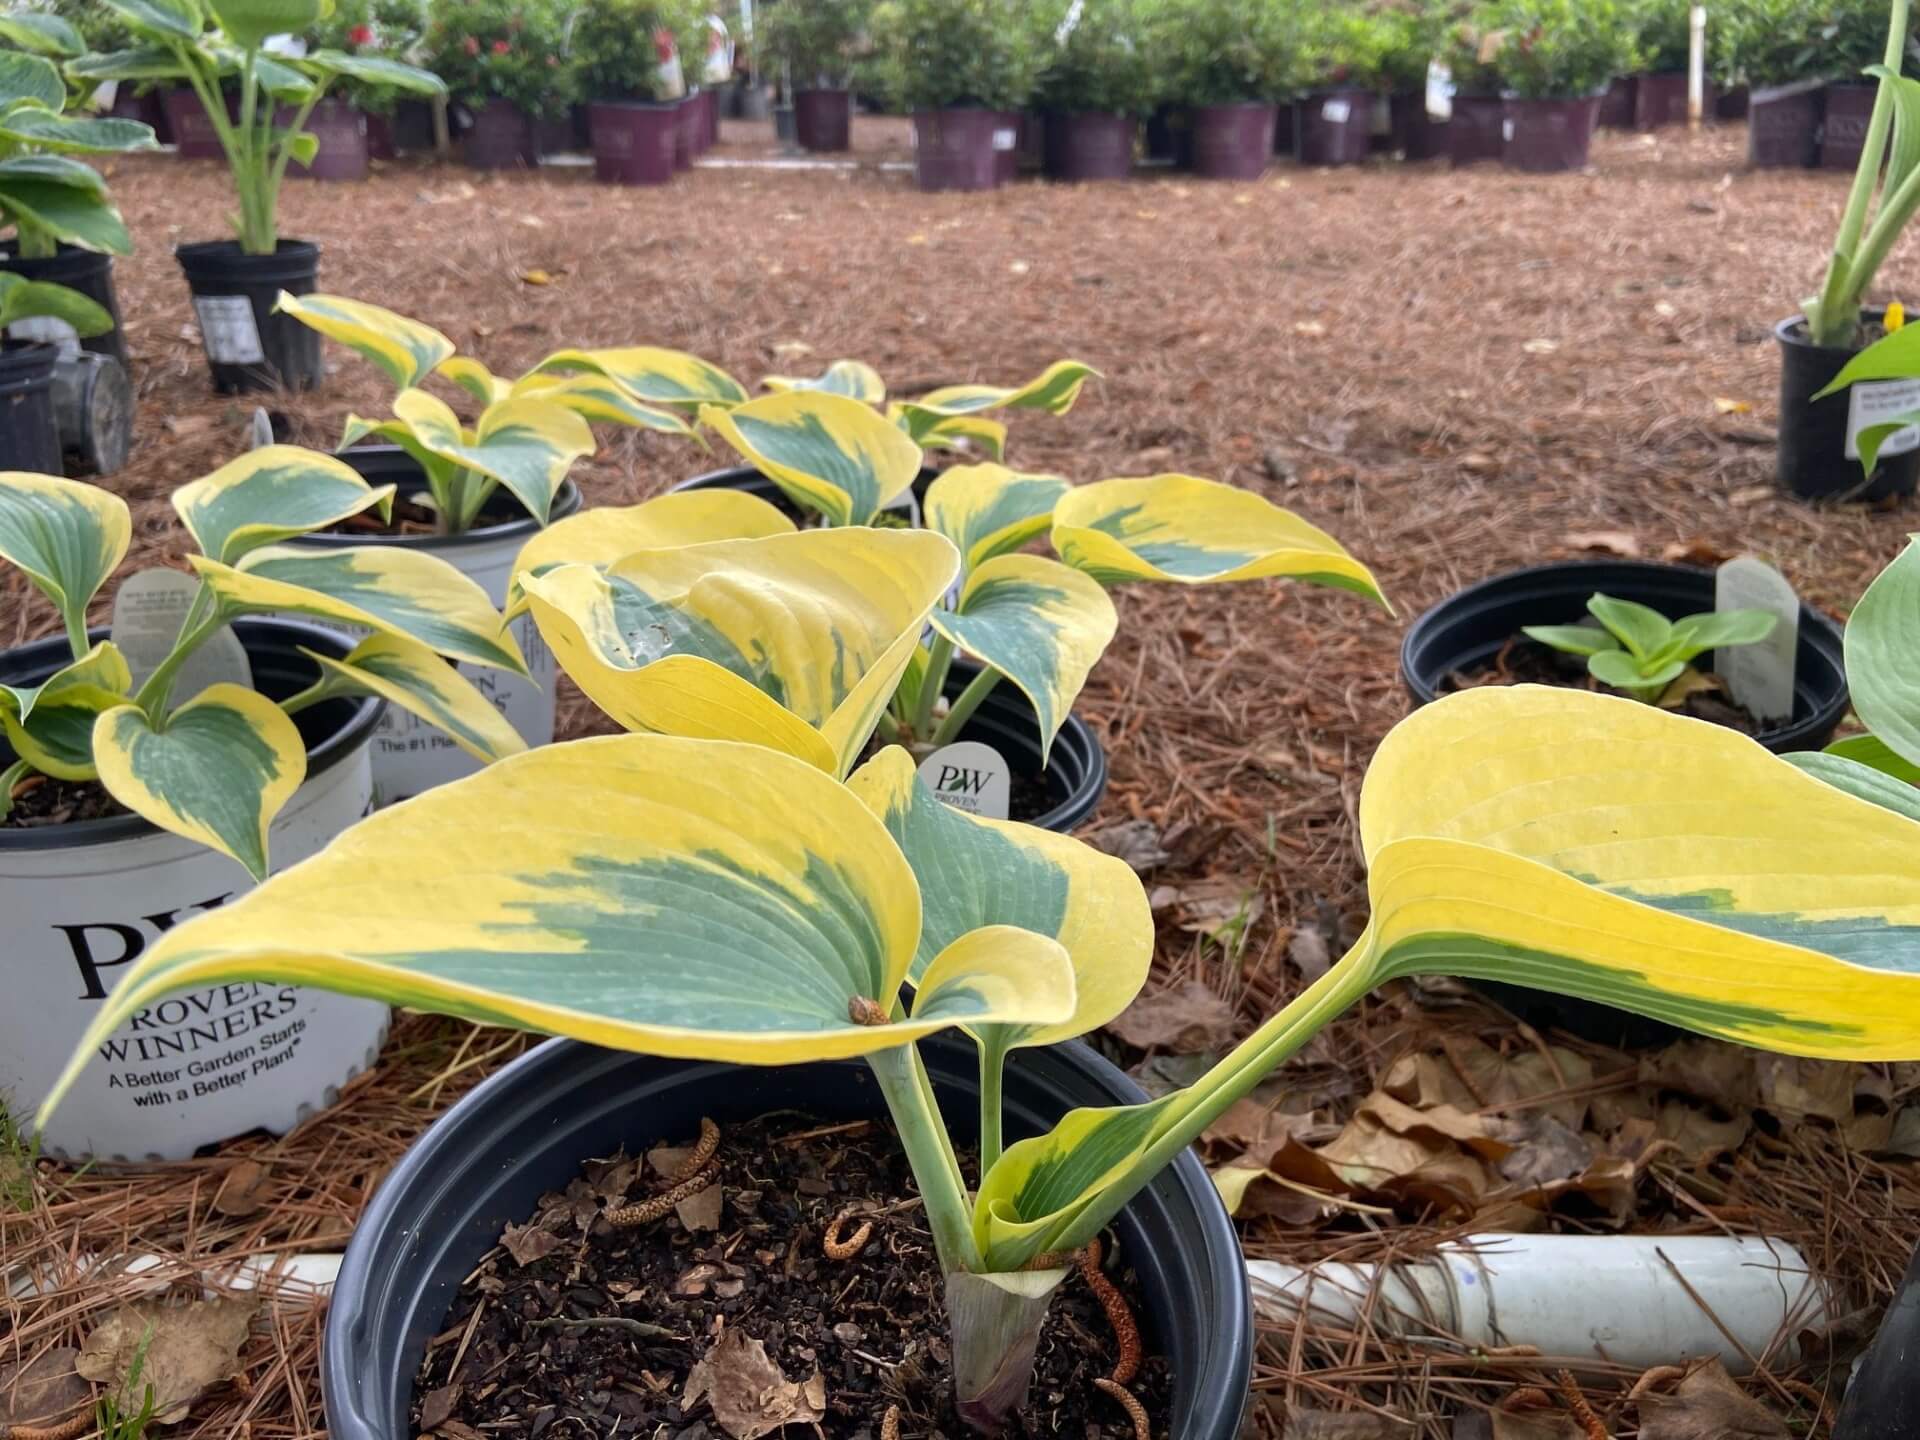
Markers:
(405, 349)
(66, 537)
(828, 453)
(1192, 531)
(794, 641)
(654, 376)
(527, 445)
(1001, 969)
(402, 592)
(595, 397)
(989, 510)
(1883, 654)
(976, 873)
(50, 725)
(407, 674)
(44, 34)
(1040, 623)
(217, 772)
(31, 78)
(855, 379)
(1054, 390)
(1876, 786)
(678, 897)
(81, 134)
(956, 432)
(272, 494)
(1876, 754)
(608, 533)
(474, 378)
(1583, 844)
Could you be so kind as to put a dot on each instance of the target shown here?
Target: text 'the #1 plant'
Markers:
(1639, 651)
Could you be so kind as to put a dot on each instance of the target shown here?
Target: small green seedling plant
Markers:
(1639, 652)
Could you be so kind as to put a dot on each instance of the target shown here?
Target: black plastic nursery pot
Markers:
(410, 127)
(1548, 137)
(1783, 126)
(1733, 103)
(1169, 137)
(528, 1130)
(502, 518)
(687, 129)
(29, 438)
(1660, 100)
(1468, 629)
(341, 128)
(953, 148)
(1812, 459)
(823, 120)
(1843, 131)
(89, 272)
(633, 141)
(1334, 127)
(248, 347)
(1617, 105)
(1477, 130)
(750, 480)
(1416, 133)
(499, 136)
(1075, 777)
(1089, 145)
(1232, 142)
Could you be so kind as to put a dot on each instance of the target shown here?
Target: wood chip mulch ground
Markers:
(1455, 373)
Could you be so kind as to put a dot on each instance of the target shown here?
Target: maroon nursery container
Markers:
(686, 133)
(1415, 133)
(380, 137)
(1169, 136)
(342, 131)
(145, 107)
(1232, 142)
(1546, 137)
(192, 128)
(1783, 127)
(1089, 145)
(1286, 128)
(1477, 130)
(1732, 103)
(953, 148)
(1335, 127)
(633, 142)
(411, 125)
(1661, 100)
(553, 135)
(710, 99)
(500, 137)
(1617, 105)
(823, 120)
(1844, 132)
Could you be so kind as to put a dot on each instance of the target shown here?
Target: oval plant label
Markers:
(970, 776)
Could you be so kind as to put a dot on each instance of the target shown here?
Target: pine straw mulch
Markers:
(1454, 373)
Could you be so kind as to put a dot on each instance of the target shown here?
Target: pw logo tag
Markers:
(970, 776)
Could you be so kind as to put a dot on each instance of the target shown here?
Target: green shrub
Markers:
(934, 53)
(1559, 49)
(819, 41)
(382, 29)
(501, 49)
(1411, 32)
(1468, 50)
(1851, 35)
(1104, 61)
(1342, 48)
(615, 49)
(1224, 52)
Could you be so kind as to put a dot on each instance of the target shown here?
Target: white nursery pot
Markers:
(83, 900)
(409, 755)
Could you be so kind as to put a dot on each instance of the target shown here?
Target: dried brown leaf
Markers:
(528, 1243)
(242, 1191)
(1186, 1019)
(747, 1392)
(438, 1406)
(1708, 1405)
(701, 1211)
(189, 1348)
(43, 1390)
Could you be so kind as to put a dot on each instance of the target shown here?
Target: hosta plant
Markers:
(205, 44)
(46, 195)
(1895, 356)
(529, 431)
(217, 766)
(735, 904)
(1639, 652)
(22, 299)
(1883, 681)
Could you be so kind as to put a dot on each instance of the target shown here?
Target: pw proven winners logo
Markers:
(969, 776)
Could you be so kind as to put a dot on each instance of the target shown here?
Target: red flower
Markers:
(360, 35)
(663, 44)
(501, 47)
(470, 45)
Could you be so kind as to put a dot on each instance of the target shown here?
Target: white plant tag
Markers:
(1005, 139)
(47, 330)
(147, 613)
(970, 776)
(1876, 402)
(228, 329)
(1760, 676)
(1506, 131)
(1336, 112)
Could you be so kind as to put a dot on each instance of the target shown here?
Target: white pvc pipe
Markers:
(298, 1279)
(1611, 1297)
(1696, 66)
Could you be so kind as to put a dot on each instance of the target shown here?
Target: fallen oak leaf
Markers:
(42, 1390)
(188, 1349)
(1186, 1019)
(747, 1392)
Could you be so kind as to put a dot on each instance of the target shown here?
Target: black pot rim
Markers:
(1790, 332)
(26, 361)
(81, 257)
(230, 250)
(445, 1143)
(1825, 718)
(339, 746)
(566, 500)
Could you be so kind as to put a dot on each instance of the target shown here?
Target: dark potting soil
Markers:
(574, 1328)
(1523, 661)
(43, 800)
